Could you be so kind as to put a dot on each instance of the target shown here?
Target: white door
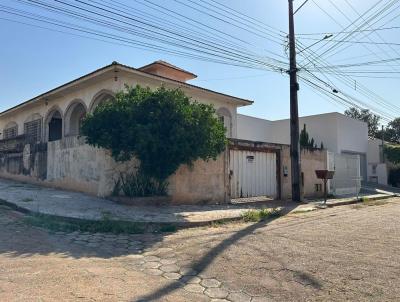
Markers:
(253, 174)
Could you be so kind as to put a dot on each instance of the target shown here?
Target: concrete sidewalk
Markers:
(37, 199)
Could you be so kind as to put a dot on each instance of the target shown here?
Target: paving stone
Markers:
(210, 283)
(172, 268)
(191, 279)
(168, 261)
(188, 271)
(173, 276)
(194, 288)
(151, 265)
(152, 258)
(154, 272)
(219, 300)
(261, 299)
(164, 250)
(239, 297)
(216, 293)
(92, 244)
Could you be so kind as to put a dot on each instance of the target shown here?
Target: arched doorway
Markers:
(73, 118)
(54, 126)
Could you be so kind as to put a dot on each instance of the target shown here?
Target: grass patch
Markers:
(366, 202)
(57, 224)
(27, 199)
(258, 215)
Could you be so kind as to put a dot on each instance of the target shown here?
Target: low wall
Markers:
(311, 160)
(72, 164)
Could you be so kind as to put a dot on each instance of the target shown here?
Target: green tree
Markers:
(392, 131)
(304, 138)
(366, 116)
(162, 128)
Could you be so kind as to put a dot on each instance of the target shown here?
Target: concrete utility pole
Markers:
(294, 113)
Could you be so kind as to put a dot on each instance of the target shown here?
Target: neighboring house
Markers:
(344, 137)
(377, 168)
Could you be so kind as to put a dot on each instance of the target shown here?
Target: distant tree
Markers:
(392, 131)
(305, 141)
(366, 116)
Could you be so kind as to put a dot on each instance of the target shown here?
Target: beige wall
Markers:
(310, 161)
(88, 91)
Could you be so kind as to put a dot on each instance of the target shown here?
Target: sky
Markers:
(35, 60)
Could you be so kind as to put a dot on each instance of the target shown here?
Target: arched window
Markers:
(225, 117)
(10, 130)
(100, 98)
(73, 118)
(54, 124)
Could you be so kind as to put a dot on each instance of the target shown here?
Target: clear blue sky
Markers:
(34, 60)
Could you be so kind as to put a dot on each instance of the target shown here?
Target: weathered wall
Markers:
(23, 161)
(72, 164)
(310, 161)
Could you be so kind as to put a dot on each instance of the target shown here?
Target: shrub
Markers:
(139, 185)
(394, 176)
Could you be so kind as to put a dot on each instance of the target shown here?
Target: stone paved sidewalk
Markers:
(78, 205)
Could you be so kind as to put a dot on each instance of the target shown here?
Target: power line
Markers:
(348, 32)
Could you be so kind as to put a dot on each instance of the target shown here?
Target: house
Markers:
(377, 168)
(345, 138)
(40, 142)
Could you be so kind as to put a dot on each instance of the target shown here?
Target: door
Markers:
(253, 173)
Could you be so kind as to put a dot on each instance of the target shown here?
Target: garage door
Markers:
(253, 174)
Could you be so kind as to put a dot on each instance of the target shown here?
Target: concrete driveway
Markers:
(337, 254)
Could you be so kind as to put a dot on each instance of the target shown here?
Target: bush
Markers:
(163, 129)
(394, 176)
(258, 215)
(139, 185)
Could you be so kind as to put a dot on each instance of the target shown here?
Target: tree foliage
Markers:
(392, 153)
(392, 131)
(366, 116)
(305, 141)
(162, 129)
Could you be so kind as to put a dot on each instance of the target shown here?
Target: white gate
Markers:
(253, 173)
(347, 179)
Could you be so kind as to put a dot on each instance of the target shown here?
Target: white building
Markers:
(338, 133)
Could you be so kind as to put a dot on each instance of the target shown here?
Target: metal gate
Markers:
(253, 173)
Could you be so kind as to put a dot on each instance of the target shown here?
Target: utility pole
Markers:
(294, 113)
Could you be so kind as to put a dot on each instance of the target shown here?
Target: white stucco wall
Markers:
(338, 132)
(374, 151)
(254, 129)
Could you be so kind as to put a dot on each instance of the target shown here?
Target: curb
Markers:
(185, 224)
(146, 224)
(360, 200)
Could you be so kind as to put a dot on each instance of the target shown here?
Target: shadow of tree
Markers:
(202, 264)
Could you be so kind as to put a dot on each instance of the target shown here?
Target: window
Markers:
(33, 131)
(374, 169)
(318, 187)
(11, 132)
(224, 116)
